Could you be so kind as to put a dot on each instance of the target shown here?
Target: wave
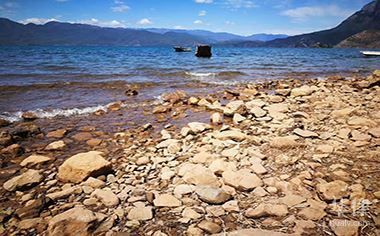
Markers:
(218, 78)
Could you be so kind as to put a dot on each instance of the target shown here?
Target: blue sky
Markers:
(243, 17)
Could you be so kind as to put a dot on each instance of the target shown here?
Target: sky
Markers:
(244, 17)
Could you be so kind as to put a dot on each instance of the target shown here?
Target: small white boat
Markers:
(371, 53)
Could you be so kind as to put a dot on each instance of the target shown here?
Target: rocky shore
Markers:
(285, 157)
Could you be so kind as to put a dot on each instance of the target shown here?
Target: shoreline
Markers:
(276, 157)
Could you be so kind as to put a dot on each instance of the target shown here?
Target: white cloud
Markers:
(179, 27)
(96, 22)
(236, 4)
(229, 22)
(37, 21)
(198, 22)
(204, 1)
(302, 13)
(120, 8)
(61, 0)
(144, 21)
(202, 13)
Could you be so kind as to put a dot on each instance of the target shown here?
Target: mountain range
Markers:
(362, 29)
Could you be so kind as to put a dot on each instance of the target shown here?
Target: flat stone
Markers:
(140, 213)
(292, 200)
(218, 166)
(284, 142)
(305, 133)
(57, 145)
(210, 227)
(106, 196)
(34, 160)
(189, 213)
(375, 132)
(237, 118)
(231, 134)
(258, 168)
(361, 121)
(212, 195)
(94, 183)
(64, 193)
(315, 211)
(166, 200)
(242, 179)
(76, 221)
(199, 175)
(302, 91)
(258, 112)
(358, 136)
(198, 127)
(83, 165)
(182, 189)
(59, 133)
(267, 210)
(83, 136)
(25, 180)
(333, 190)
(343, 227)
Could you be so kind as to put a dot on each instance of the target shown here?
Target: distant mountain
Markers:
(365, 39)
(58, 33)
(221, 36)
(368, 18)
(265, 37)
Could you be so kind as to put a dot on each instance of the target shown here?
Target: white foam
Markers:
(199, 74)
(17, 116)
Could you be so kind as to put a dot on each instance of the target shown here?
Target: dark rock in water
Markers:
(13, 150)
(131, 92)
(25, 130)
(203, 51)
(174, 97)
(5, 139)
(28, 116)
(4, 122)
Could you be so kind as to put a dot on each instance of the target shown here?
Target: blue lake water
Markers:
(65, 77)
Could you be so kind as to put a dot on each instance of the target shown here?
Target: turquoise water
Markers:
(48, 78)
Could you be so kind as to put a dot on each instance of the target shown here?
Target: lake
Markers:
(69, 80)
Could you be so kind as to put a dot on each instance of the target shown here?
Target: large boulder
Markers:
(83, 165)
(25, 180)
(76, 221)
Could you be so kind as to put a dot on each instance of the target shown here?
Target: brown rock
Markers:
(267, 210)
(231, 134)
(25, 180)
(94, 142)
(344, 227)
(210, 227)
(305, 133)
(140, 213)
(253, 232)
(13, 150)
(242, 179)
(35, 160)
(55, 146)
(166, 200)
(174, 97)
(333, 190)
(375, 132)
(106, 196)
(82, 136)
(292, 200)
(4, 122)
(212, 195)
(78, 167)
(59, 133)
(284, 142)
(76, 221)
(28, 116)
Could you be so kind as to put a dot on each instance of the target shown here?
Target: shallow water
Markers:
(61, 80)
